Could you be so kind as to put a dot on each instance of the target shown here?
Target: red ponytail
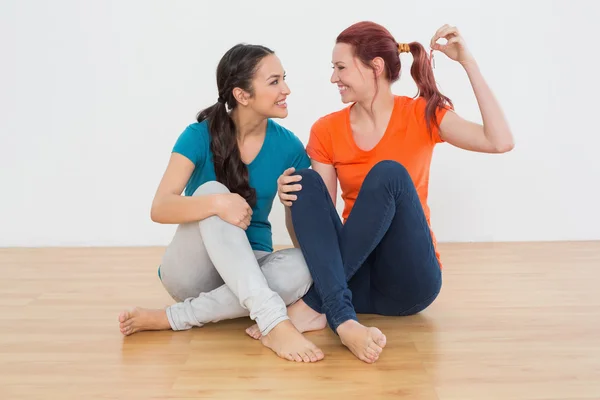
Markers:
(422, 73)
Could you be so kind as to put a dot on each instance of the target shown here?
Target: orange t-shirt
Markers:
(406, 140)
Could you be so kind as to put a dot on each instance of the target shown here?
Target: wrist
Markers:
(216, 204)
(469, 64)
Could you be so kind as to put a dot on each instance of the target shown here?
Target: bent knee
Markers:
(389, 168)
(288, 274)
(309, 175)
(211, 187)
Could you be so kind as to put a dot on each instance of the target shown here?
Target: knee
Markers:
(386, 172)
(389, 168)
(211, 187)
(295, 282)
(310, 178)
(312, 184)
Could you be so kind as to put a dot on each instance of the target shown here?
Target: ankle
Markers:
(346, 325)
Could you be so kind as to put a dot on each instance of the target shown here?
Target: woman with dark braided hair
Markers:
(220, 263)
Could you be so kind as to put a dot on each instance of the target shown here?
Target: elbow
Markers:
(155, 213)
(505, 146)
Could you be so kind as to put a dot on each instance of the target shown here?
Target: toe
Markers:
(375, 348)
(305, 357)
(297, 357)
(371, 354)
(123, 316)
(319, 353)
(381, 340)
(312, 356)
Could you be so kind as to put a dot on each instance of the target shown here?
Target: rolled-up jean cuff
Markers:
(273, 324)
(174, 315)
(338, 320)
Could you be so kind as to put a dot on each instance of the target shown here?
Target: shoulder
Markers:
(193, 142)
(197, 129)
(417, 105)
(283, 135)
(276, 129)
(332, 120)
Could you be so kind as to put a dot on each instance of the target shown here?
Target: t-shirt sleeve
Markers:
(319, 146)
(299, 158)
(191, 144)
(439, 115)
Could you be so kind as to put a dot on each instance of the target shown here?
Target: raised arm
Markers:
(494, 135)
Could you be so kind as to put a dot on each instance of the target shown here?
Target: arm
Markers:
(329, 176)
(494, 136)
(169, 207)
(290, 227)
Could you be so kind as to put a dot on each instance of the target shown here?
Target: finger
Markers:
(289, 171)
(287, 203)
(290, 179)
(288, 197)
(436, 36)
(291, 188)
(450, 42)
(449, 32)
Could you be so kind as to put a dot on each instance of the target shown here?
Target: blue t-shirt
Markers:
(281, 150)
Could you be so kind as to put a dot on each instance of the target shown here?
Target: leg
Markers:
(229, 250)
(287, 274)
(320, 234)
(402, 273)
(386, 248)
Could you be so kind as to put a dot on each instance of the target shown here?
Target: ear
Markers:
(378, 65)
(241, 96)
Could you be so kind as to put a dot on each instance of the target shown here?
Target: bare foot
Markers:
(288, 343)
(304, 318)
(143, 319)
(365, 343)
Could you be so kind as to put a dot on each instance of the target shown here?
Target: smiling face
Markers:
(269, 89)
(355, 81)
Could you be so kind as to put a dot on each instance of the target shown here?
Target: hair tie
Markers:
(221, 100)
(403, 48)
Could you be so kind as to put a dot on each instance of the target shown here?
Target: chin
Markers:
(347, 99)
(278, 114)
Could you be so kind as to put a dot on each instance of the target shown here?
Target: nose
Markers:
(285, 90)
(334, 77)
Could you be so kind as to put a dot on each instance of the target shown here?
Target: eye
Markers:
(275, 82)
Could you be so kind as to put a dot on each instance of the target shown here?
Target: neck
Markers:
(376, 107)
(248, 123)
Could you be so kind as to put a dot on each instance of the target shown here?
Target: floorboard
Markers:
(513, 321)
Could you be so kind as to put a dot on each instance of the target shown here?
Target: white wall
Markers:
(94, 94)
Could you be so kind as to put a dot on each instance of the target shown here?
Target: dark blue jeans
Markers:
(381, 261)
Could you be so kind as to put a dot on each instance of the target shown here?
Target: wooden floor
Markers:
(513, 321)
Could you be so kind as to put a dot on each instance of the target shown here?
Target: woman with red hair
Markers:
(383, 258)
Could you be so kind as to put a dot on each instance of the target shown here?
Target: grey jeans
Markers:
(210, 269)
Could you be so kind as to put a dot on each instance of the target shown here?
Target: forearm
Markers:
(176, 209)
(290, 227)
(495, 125)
